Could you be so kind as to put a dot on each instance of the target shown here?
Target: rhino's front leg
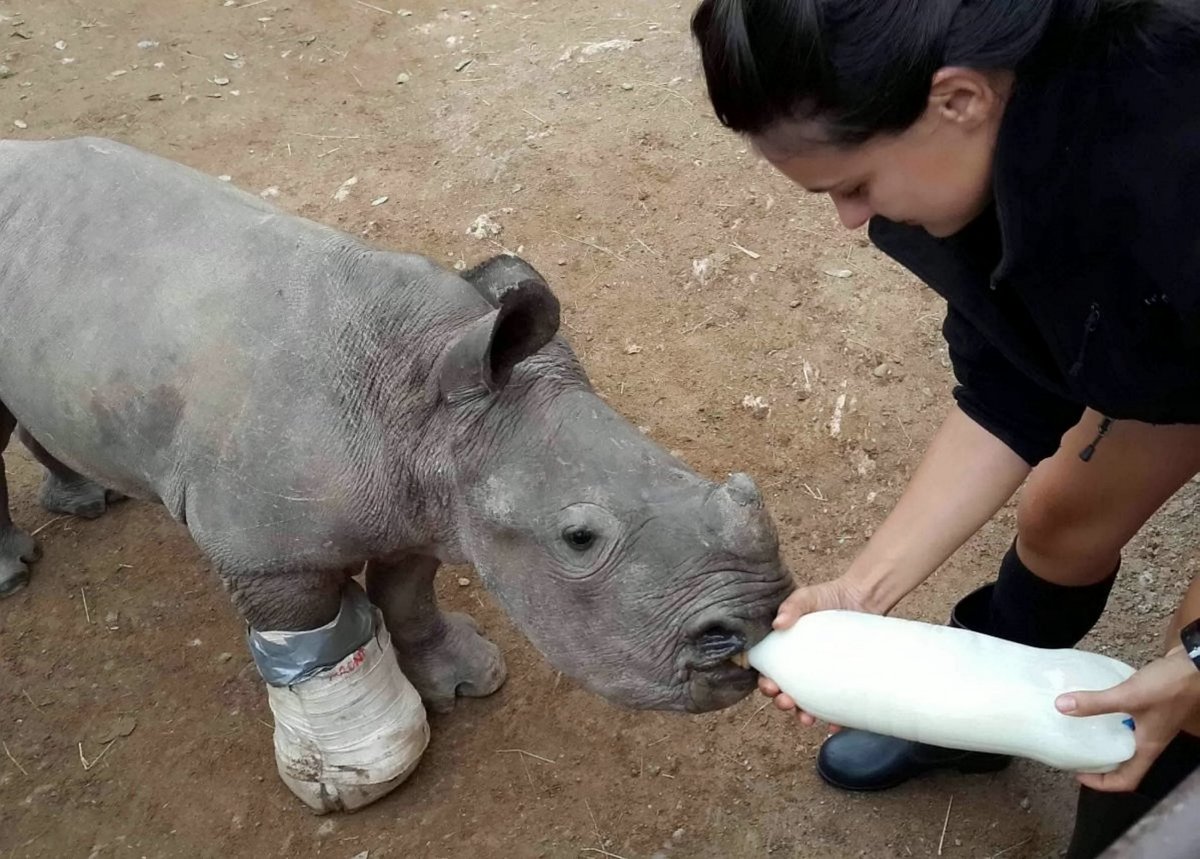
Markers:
(290, 602)
(349, 727)
(442, 654)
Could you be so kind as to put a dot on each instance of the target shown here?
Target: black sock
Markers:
(1029, 610)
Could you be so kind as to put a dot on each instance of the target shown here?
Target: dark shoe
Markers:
(861, 760)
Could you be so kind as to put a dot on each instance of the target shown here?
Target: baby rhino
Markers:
(306, 405)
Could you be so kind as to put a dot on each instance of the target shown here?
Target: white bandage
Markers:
(350, 733)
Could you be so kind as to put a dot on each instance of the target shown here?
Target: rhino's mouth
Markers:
(741, 660)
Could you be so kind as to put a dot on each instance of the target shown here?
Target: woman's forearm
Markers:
(967, 474)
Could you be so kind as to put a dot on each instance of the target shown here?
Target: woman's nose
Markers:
(852, 213)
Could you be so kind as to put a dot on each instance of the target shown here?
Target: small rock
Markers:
(155, 96)
(794, 303)
(590, 50)
(343, 190)
(112, 76)
(464, 582)
(757, 406)
(221, 81)
(366, 854)
(147, 44)
(1026, 804)
(122, 727)
(265, 193)
(110, 618)
(21, 124)
(379, 201)
(225, 177)
(880, 371)
(160, 65)
(403, 78)
(484, 227)
(231, 57)
(5, 72)
(462, 64)
(632, 349)
(461, 265)
(224, 657)
(562, 262)
(627, 87)
(677, 834)
(839, 272)
(60, 45)
(404, 13)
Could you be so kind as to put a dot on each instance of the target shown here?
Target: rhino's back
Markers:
(157, 321)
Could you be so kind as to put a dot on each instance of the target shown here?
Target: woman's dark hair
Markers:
(865, 67)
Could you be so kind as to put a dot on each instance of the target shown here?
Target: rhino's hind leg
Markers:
(17, 549)
(67, 491)
(443, 654)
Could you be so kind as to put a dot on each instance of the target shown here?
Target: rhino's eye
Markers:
(579, 538)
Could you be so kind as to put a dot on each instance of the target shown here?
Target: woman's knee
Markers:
(1063, 535)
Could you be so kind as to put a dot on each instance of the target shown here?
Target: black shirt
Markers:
(1080, 286)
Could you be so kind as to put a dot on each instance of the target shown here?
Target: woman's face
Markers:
(937, 174)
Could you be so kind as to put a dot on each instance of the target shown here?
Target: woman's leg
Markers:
(1074, 517)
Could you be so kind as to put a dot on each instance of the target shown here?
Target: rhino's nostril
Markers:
(719, 641)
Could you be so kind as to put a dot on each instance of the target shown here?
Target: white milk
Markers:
(948, 687)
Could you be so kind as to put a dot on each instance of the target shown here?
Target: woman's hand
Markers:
(1162, 698)
(836, 594)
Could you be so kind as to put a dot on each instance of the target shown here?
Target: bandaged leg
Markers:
(349, 727)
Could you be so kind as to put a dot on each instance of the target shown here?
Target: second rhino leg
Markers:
(442, 653)
(67, 491)
(17, 549)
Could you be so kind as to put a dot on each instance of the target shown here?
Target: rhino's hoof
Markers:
(462, 664)
(81, 498)
(13, 583)
(353, 732)
(327, 798)
(17, 551)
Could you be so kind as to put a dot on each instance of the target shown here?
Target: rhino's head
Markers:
(627, 570)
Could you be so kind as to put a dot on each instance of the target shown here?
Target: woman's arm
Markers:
(967, 474)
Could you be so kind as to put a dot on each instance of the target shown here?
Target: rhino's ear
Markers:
(496, 276)
(484, 357)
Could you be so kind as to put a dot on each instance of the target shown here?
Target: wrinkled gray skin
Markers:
(305, 404)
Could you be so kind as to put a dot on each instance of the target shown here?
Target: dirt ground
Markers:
(691, 276)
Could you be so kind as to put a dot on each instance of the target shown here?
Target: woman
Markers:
(1037, 163)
